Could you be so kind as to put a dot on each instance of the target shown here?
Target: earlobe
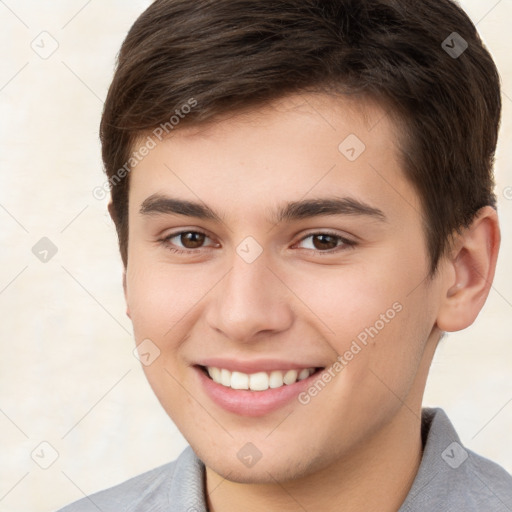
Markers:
(472, 265)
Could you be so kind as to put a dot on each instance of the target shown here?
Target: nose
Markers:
(250, 302)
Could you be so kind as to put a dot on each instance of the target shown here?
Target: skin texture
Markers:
(357, 442)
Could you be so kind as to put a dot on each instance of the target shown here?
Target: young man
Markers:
(303, 195)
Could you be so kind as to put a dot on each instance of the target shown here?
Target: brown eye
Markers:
(192, 239)
(327, 243)
(185, 242)
(324, 241)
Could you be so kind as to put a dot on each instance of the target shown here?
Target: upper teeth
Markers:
(257, 381)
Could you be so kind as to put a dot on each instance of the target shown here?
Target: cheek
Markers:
(159, 297)
(159, 301)
(393, 348)
(374, 316)
(347, 300)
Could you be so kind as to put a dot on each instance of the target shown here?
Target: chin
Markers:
(264, 471)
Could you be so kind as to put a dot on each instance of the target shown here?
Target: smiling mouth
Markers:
(259, 381)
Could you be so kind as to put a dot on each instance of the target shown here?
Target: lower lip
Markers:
(252, 403)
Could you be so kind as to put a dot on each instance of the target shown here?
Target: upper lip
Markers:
(255, 365)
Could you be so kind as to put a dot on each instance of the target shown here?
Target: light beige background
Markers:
(67, 373)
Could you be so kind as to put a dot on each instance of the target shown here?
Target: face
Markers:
(281, 239)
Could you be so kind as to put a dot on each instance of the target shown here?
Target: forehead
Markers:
(299, 146)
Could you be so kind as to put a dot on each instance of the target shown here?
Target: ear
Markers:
(471, 267)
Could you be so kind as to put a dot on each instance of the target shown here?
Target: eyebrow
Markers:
(292, 211)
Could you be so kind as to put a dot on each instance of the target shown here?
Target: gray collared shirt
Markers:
(450, 478)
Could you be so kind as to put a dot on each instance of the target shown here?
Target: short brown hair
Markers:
(229, 55)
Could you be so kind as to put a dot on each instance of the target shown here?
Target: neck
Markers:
(375, 476)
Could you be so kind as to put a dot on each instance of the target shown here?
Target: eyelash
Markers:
(346, 242)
